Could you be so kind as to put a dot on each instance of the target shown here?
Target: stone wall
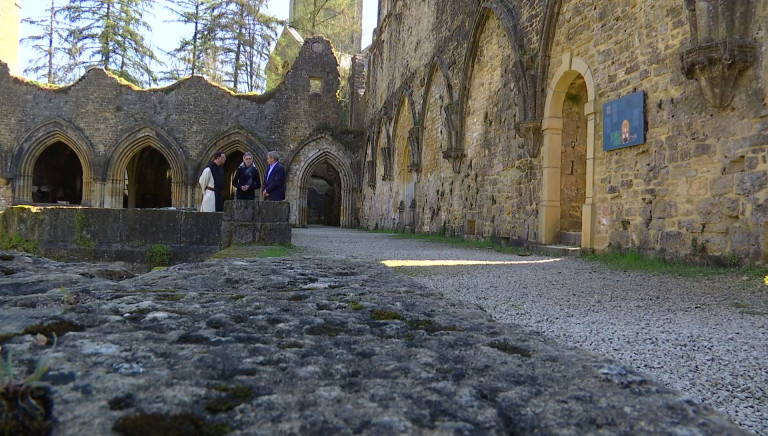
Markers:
(507, 98)
(9, 37)
(106, 122)
(114, 234)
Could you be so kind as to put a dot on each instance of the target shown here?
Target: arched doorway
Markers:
(57, 176)
(234, 159)
(568, 156)
(573, 163)
(147, 180)
(324, 196)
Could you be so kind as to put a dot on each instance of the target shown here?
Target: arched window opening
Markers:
(57, 176)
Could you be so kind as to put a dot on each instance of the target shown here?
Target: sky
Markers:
(167, 39)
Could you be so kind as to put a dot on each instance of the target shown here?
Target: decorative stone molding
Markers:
(455, 157)
(720, 48)
(454, 152)
(414, 144)
(531, 132)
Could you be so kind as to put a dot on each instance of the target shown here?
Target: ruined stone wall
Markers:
(522, 158)
(106, 121)
(9, 37)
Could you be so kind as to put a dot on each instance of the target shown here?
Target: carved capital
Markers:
(716, 66)
(720, 46)
(531, 132)
(455, 157)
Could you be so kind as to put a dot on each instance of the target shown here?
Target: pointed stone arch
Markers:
(231, 140)
(437, 135)
(572, 68)
(236, 140)
(308, 156)
(131, 144)
(510, 22)
(34, 143)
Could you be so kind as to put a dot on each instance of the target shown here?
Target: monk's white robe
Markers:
(208, 204)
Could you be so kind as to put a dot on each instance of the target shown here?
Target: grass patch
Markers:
(457, 242)
(255, 251)
(634, 261)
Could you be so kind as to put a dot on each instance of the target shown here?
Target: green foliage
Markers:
(109, 34)
(15, 241)
(159, 255)
(66, 297)
(81, 238)
(632, 260)
(24, 404)
(354, 305)
(459, 242)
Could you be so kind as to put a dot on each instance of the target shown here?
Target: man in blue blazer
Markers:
(274, 182)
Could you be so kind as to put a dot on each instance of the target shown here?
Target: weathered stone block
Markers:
(151, 226)
(273, 211)
(203, 229)
(274, 233)
(673, 241)
(751, 183)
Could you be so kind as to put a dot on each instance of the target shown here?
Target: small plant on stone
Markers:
(159, 255)
(67, 298)
(25, 407)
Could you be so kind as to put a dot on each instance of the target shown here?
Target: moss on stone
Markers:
(386, 315)
(156, 424)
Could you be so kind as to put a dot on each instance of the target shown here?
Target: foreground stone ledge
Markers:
(314, 346)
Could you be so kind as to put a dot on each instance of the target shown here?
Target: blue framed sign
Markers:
(624, 121)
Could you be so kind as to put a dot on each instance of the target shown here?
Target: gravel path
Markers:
(706, 338)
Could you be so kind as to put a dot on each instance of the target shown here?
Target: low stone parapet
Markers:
(255, 222)
(79, 233)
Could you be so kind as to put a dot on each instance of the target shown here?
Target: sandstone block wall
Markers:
(507, 99)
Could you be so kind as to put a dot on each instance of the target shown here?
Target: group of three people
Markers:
(246, 181)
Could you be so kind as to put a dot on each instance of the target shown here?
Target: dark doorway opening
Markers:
(147, 180)
(324, 196)
(234, 159)
(57, 176)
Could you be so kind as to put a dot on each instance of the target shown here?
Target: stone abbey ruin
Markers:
(630, 124)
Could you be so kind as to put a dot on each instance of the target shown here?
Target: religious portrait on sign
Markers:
(625, 132)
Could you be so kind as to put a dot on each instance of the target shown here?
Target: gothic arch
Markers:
(127, 147)
(231, 140)
(437, 66)
(572, 68)
(510, 22)
(32, 145)
(314, 151)
(547, 37)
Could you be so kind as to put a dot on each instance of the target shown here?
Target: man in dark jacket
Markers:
(246, 180)
(274, 183)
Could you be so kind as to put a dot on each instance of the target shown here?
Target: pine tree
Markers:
(189, 56)
(246, 38)
(110, 34)
(48, 44)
